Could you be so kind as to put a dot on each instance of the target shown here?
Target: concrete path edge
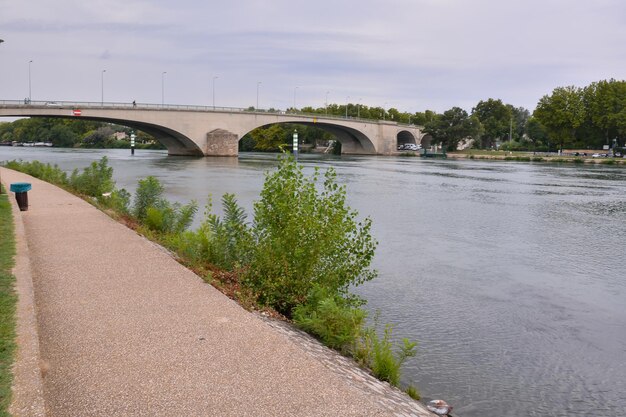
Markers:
(27, 388)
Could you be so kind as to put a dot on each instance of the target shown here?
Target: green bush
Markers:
(170, 218)
(149, 193)
(306, 237)
(331, 318)
(379, 356)
(45, 172)
(413, 392)
(95, 180)
(119, 201)
(157, 213)
(227, 242)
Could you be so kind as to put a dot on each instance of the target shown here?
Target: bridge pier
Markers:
(220, 142)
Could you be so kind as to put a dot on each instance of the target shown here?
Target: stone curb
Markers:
(27, 388)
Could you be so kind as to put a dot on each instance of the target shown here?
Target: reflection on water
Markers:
(510, 275)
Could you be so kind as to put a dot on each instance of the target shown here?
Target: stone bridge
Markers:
(216, 131)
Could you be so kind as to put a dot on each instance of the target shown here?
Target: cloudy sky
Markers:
(408, 54)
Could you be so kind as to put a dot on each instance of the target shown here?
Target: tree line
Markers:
(70, 133)
(570, 117)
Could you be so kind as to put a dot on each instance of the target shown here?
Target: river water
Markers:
(511, 276)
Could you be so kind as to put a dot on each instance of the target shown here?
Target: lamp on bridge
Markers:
(102, 87)
(327, 102)
(295, 143)
(163, 88)
(29, 84)
(258, 84)
(214, 78)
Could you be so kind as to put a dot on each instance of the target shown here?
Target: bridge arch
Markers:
(404, 136)
(426, 141)
(175, 142)
(352, 141)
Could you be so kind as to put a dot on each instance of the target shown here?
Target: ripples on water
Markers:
(510, 275)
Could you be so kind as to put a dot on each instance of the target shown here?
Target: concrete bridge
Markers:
(216, 131)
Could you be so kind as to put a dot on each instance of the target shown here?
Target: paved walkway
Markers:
(124, 330)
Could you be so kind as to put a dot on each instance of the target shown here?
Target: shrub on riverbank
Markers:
(95, 180)
(305, 237)
(46, 172)
(331, 318)
(379, 354)
(155, 212)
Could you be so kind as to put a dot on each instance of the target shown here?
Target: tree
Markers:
(268, 139)
(452, 126)
(100, 138)
(495, 118)
(605, 102)
(536, 131)
(562, 113)
(63, 136)
(520, 120)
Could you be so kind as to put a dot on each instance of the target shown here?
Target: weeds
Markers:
(331, 318)
(413, 392)
(378, 354)
(8, 300)
(94, 181)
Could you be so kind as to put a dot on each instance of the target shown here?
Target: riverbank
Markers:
(534, 157)
(121, 320)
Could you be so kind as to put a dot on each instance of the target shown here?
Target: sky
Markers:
(411, 55)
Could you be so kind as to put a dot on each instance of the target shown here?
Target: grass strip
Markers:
(8, 300)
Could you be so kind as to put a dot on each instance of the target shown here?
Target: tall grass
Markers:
(8, 301)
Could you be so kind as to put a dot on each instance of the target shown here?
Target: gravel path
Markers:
(124, 330)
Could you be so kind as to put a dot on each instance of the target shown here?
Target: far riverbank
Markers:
(535, 157)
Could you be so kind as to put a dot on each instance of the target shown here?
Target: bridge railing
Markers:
(51, 104)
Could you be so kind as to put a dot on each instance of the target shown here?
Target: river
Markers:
(511, 276)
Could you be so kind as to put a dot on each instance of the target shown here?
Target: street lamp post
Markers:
(258, 83)
(163, 88)
(384, 111)
(294, 99)
(214, 78)
(358, 108)
(347, 99)
(29, 84)
(327, 102)
(102, 87)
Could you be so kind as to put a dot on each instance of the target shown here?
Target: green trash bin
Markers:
(21, 194)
